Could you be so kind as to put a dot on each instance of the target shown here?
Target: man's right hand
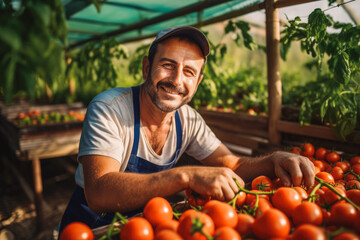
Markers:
(217, 182)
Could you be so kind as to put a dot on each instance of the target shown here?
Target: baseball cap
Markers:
(193, 33)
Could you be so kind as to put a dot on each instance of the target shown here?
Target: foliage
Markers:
(135, 65)
(94, 65)
(32, 38)
(336, 95)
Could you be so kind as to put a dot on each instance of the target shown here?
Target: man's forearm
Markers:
(122, 192)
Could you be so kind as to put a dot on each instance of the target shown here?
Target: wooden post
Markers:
(273, 69)
(38, 193)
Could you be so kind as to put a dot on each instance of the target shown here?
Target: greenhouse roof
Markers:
(140, 19)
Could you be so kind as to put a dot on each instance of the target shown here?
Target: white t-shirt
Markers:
(108, 130)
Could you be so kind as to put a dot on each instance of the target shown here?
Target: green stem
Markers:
(337, 193)
(312, 197)
(241, 189)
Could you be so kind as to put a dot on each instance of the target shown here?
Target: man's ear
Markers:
(145, 67)
(199, 80)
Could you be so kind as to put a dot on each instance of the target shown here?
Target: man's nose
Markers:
(177, 77)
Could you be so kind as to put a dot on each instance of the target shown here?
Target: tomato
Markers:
(332, 157)
(354, 195)
(316, 170)
(263, 206)
(326, 217)
(331, 196)
(137, 228)
(295, 150)
(337, 173)
(327, 177)
(241, 199)
(277, 183)
(167, 234)
(273, 223)
(158, 210)
(251, 197)
(321, 153)
(77, 231)
(170, 225)
(355, 160)
(226, 233)
(308, 232)
(343, 214)
(262, 183)
(343, 166)
(307, 150)
(244, 224)
(186, 224)
(195, 199)
(350, 176)
(222, 213)
(320, 195)
(346, 236)
(186, 213)
(307, 212)
(303, 194)
(356, 168)
(352, 184)
(286, 199)
(319, 164)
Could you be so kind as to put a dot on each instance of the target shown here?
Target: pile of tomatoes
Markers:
(328, 210)
(36, 117)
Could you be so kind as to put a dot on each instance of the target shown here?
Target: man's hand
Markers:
(217, 182)
(293, 168)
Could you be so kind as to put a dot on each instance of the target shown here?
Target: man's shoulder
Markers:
(112, 95)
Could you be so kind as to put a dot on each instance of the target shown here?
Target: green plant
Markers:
(335, 96)
(32, 40)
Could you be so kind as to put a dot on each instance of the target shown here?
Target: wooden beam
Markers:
(288, 3)
(273, 69)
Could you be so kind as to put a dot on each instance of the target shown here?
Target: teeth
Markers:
(169, 91)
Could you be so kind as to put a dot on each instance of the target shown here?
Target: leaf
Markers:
(10, 38)
(341, 68)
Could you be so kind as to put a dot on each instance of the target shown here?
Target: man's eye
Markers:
(168, 65)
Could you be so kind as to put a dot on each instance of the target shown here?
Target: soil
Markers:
(17, 212)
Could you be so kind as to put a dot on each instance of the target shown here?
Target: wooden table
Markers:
(39, 142)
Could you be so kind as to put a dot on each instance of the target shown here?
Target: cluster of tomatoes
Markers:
(36, 117)
(328, 210)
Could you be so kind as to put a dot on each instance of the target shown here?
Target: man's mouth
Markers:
(170, 91)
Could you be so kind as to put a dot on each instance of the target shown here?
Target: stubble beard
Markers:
(152, 91)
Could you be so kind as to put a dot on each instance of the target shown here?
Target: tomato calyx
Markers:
(197, 226)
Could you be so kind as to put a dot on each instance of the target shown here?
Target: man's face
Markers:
(175, 74)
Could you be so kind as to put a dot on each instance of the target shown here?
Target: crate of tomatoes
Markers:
(265, 209)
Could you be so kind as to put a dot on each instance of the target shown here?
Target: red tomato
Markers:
(327, 177)
(350, 176)
(320, 195)
(332, 157)
(307, 212)
(277, 183)
(262, 183)
(355, 160)
(356, 168)
(77, 231)
(241, 199)
(195, 199)
(186, 224)
(343, 166)
(343, 214)
(346, 236)
(308, 232)
(186, 213)
(307, 150)
(331, 196)
(295, 150)
(319, 164)
(137, 228)
(273, 223)
(170, 225)
(352, 184)
(321, 153)
(286, 199)
(252, 197)
(263, 206)
(158, 210)
(222, 213)
(303, 194)
(167, 234)
(226, 233)
(245, 222)
(354, 195)
(337, 173)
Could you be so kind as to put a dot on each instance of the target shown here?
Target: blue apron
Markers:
(78, 210)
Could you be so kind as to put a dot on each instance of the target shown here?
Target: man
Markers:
(132, 138)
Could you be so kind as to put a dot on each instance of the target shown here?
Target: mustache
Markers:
(179, 89)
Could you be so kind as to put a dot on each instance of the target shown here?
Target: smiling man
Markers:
(132, 138)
